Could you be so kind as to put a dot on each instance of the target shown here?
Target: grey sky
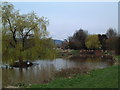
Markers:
(67, 17)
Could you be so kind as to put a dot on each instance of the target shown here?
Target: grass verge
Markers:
(101, 78)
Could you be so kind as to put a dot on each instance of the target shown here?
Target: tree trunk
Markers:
(23, 44)
(20, 62)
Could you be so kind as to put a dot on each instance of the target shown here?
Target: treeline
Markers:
(82, 40)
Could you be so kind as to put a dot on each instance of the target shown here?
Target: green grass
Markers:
(118, 57)
(67, 54)
(101, 78)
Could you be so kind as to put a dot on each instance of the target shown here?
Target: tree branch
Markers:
(23, 40)
(12, 45)
(13, 32)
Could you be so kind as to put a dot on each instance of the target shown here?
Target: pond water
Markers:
(45, 69)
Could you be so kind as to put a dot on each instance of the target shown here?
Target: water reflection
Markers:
(44, 71)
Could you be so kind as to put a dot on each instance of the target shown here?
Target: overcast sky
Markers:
(67, 17)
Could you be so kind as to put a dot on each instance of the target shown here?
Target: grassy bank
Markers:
(118, 57)
(67, 53)
(101, 78)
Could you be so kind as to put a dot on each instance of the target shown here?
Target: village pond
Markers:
(44, 70)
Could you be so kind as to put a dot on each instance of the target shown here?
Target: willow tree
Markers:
(92, 42)
(22, 34)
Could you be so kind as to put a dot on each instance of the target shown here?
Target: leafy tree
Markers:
(111, 33)
(23, 35)
(22, 26)
(77, 41)
(92, 42)
(112, 41)
(102, 39)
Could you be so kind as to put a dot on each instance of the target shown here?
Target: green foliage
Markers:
(24, 36)
(92, 42)
(42, 49)
(118, 57)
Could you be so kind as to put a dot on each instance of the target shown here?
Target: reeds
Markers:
(71, 72)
